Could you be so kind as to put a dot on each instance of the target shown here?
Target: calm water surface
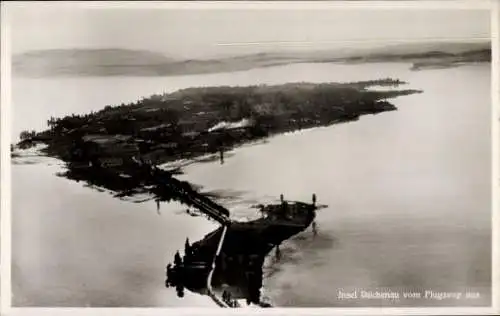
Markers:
(408, 195)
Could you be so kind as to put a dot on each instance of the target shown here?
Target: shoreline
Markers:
(57, 64)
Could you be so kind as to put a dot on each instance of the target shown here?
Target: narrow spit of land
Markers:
(119, 149)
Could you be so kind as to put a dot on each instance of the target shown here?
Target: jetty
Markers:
(227, 264)
(221, 302)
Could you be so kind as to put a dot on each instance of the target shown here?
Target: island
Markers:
(126, 149)
(196, 121)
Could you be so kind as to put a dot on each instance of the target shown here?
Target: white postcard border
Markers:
(5, 189)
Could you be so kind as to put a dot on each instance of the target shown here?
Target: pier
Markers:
(230, 258)
(211, 293)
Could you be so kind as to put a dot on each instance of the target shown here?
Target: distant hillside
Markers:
(84, 61)
(122, 62)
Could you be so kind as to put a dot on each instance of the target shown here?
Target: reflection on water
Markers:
(408, 195)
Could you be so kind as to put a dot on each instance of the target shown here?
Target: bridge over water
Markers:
(185, 193)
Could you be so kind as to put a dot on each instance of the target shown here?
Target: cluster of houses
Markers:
(157, 143)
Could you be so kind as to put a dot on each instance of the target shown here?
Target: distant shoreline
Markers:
(123, 62)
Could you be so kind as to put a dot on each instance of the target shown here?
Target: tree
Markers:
(24, 135)
(52, 122)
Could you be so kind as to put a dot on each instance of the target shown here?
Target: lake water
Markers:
(408, 195)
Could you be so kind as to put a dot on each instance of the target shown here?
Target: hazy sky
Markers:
(201, 32)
